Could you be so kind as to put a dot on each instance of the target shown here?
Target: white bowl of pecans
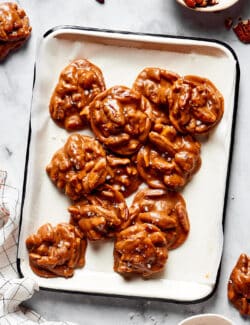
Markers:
(207, 5)
(206, 319)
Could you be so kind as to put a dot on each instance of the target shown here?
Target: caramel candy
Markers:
(239, 285)
(197, 105)
(79, 167)
(78, 85)
(102, 214)
(155, 84)
(14, 28)
(164, 209)
(120, 119)
(14, 23)
(122, 175)
(56, 251)
(140, 249)
(172, 159)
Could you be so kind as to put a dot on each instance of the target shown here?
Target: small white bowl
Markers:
(206, 319)
(222, 5)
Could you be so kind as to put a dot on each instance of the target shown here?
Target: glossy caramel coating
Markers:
(123, 174)
(140, 249)
(120, 119)
(100, 215)
(160, 115)
(56, 251)
(14, 28)
(171, 159)
(79, 167)
(164, 209)
(239, 285)
(14, 23)
(78, 85)
(197, 105)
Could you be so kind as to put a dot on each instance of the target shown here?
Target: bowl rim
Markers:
(208, 315)
(217, 7)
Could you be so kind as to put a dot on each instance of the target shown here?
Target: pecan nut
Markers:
(123, 175)
(56, 251)
(242, 30)
(200, 3)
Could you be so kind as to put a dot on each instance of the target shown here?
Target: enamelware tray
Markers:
(192, 270)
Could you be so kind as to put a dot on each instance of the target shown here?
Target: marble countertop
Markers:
(149, 16)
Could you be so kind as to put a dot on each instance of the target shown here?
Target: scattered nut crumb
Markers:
(228, 23)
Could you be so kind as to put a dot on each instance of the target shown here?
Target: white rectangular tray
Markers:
(192, 270)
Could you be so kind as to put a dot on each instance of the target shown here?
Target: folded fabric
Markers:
(13, 291)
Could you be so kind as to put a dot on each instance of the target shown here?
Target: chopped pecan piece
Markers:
(200, 3)
(228, 22)
(123, 175)
(242, 30)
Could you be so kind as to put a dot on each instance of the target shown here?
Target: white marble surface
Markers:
(152, 16)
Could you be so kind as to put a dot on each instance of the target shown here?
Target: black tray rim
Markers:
(232, 140)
